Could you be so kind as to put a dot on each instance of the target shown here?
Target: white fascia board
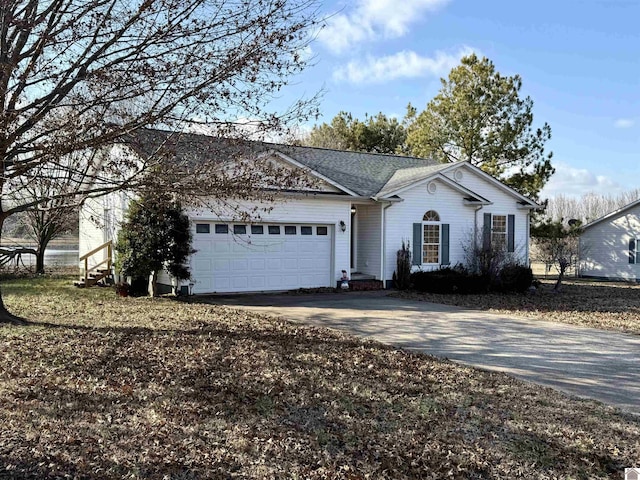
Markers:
(333, 196)
(612, 214)
(295, 163)
(496, 182)
(446, 180)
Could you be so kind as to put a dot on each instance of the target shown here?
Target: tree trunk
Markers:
(5, 315)
(40, 259)
(153, 284)
(563, 268)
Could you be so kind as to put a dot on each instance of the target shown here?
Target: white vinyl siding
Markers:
(461, 218)
(369, 239)
(400, 218)
(605, 247)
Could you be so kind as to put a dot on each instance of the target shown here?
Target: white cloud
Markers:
(575, 182)
(624, 123)
(373, 19)
(405, 64)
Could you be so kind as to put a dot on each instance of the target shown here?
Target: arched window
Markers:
(431, 237)
(431, 216)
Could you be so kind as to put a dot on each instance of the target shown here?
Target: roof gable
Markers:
(364, 174)
(613, 214)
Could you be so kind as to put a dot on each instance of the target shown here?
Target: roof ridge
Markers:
(395, 155)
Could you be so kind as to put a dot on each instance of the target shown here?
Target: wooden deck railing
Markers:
(109, 247)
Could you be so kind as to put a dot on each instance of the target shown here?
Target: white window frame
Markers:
(495, 233)
(438, 224)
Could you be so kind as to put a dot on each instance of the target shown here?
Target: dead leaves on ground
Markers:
(607, 305)
(139, 388)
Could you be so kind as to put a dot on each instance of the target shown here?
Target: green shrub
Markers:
(510, 278)
(448, 280)
(513, 278)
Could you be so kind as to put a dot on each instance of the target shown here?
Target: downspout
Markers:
(475, 223)
(528, 238)
(383, 242)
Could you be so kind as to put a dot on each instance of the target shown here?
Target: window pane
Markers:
(257, 229)
(431, 244)
(430, 253)
(321, 230)
(289, 230)
(306, 231)
(203, 228)
(499, 231)
(499, 223)
(431, 216)
(240, 229)
(221, 228)
(432, 234)
(274, 229)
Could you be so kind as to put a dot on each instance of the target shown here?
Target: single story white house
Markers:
(356, 219)
(609, 246)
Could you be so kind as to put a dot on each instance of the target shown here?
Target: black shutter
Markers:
(486, 233)
(445, 244)
(511, 224)
(417, 244)
(632, 250)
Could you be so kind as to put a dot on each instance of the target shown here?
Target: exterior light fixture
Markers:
(353, 209)
(343, 226)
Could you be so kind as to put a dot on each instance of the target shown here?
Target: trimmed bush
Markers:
(448, 280)
(514, 278)
(510, 278)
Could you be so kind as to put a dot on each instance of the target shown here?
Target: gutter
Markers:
(475, 222)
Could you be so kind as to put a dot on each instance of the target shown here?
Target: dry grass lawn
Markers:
(607, 305)
(104, 387)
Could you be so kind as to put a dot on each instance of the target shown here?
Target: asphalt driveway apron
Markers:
(581, 361)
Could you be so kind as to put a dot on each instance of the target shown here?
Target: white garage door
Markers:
(248, 258)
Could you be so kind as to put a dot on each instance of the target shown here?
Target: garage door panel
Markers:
(222, 265)
(204, 284)
(202, 265)
(257, 282)
(257, 264)
(240, 265)
(228, 263)
(220, 284)
(274, 282)
(221, 246)
(290, 264)
(204, 248)
(274, 264)
(240, 283)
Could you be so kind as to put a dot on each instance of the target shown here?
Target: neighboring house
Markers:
(356, 219)
(609, 246)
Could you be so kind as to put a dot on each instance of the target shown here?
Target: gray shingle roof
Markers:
(366, 174)
(363, 173)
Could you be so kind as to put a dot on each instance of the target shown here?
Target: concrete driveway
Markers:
(581, 361)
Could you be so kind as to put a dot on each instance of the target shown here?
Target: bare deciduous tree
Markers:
(588, 207)
(557, 244)
(76, 76)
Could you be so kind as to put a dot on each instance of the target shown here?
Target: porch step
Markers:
(94, 278)
(361, 284)
(361, 276)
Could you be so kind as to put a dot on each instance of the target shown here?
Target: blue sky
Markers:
(579, 62)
